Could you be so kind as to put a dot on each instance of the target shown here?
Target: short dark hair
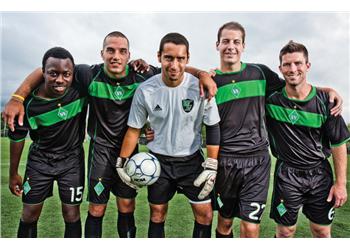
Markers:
(175, 38)
(114, 34)
(232, 26)
(292, 47)
(57, 52)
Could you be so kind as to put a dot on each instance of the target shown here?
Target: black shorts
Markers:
(103, 177)
(242, 186)
(295, 188)
(68, 171)
(177, 175)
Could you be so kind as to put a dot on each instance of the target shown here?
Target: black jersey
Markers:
(110, 100)
(56, 126)
(241, 102)
(303, 131)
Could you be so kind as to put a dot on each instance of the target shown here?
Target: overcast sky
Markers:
(26, 36)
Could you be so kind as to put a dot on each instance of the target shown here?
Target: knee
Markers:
(285, 232)
(225, 224)
(126, 205)
(97, 210)
(71, 213)
(204, 217)
(321, 232)
(30, 215)
(249, 230)
(158, 213)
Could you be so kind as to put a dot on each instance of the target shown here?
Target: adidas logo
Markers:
(157, 108)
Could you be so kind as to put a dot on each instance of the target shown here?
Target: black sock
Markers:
(93, 226)
(72, 229)
(156, 230)
(219, 235)
(126, 225)
(201, 231)
(27, 230)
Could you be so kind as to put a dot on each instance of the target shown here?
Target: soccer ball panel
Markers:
(143, 169)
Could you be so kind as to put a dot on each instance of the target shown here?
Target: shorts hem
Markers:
(95, 203)
(321, 224)
(71, 204)
(281, 224)
(249, 221)
(37, 203)
(199, 202)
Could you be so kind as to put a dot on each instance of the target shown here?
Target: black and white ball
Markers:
(143, 169)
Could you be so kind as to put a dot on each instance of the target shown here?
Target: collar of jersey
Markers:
(112, 76)
(47, 99)
(308, 98)
(243, 66)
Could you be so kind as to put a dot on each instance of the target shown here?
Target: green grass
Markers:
(179, 222)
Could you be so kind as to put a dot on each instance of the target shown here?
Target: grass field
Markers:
(179, 222)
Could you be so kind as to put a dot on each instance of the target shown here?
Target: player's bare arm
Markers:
(336, 98)
(205, 81)
(15, 180)
(338, 191)
(14, 107)
(129, 144)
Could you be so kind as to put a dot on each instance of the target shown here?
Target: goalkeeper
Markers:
(176, 112)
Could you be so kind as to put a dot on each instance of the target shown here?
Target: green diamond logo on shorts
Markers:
(62, 113)
(281, 209)
(236, 91)
(99, 188)
(294, 117)
(219, 202)
(26, 187)
(119, 92)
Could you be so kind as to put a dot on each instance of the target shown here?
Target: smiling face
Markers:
(58, 75)
(115, 55)
(230, 47)
(173, 59)
(294, 68)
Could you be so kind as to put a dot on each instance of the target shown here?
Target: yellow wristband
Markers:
(18, 97)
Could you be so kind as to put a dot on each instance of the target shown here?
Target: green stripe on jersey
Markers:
(239, 90)
(107, 91)
(295, 117)
(57, 115)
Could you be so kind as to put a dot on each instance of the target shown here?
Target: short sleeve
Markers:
(83, 75)
(20, 132)
(273, 81)
(336, 130)
(138, 112)
(211, 113)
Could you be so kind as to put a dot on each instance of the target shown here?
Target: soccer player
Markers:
(303, 135)
(55, 119)
(176, 112)
(244, 161)
(111, 86)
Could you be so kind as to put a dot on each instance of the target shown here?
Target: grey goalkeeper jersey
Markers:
(175, 114)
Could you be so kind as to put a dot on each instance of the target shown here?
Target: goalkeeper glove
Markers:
(207, 177)
(120, 167)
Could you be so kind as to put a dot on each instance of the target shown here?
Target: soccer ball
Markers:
(143, 169)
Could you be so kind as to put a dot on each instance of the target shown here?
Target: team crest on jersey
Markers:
(294, 117)
(119, 92)
(236, 91)
(187, 105)
(62, 113)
